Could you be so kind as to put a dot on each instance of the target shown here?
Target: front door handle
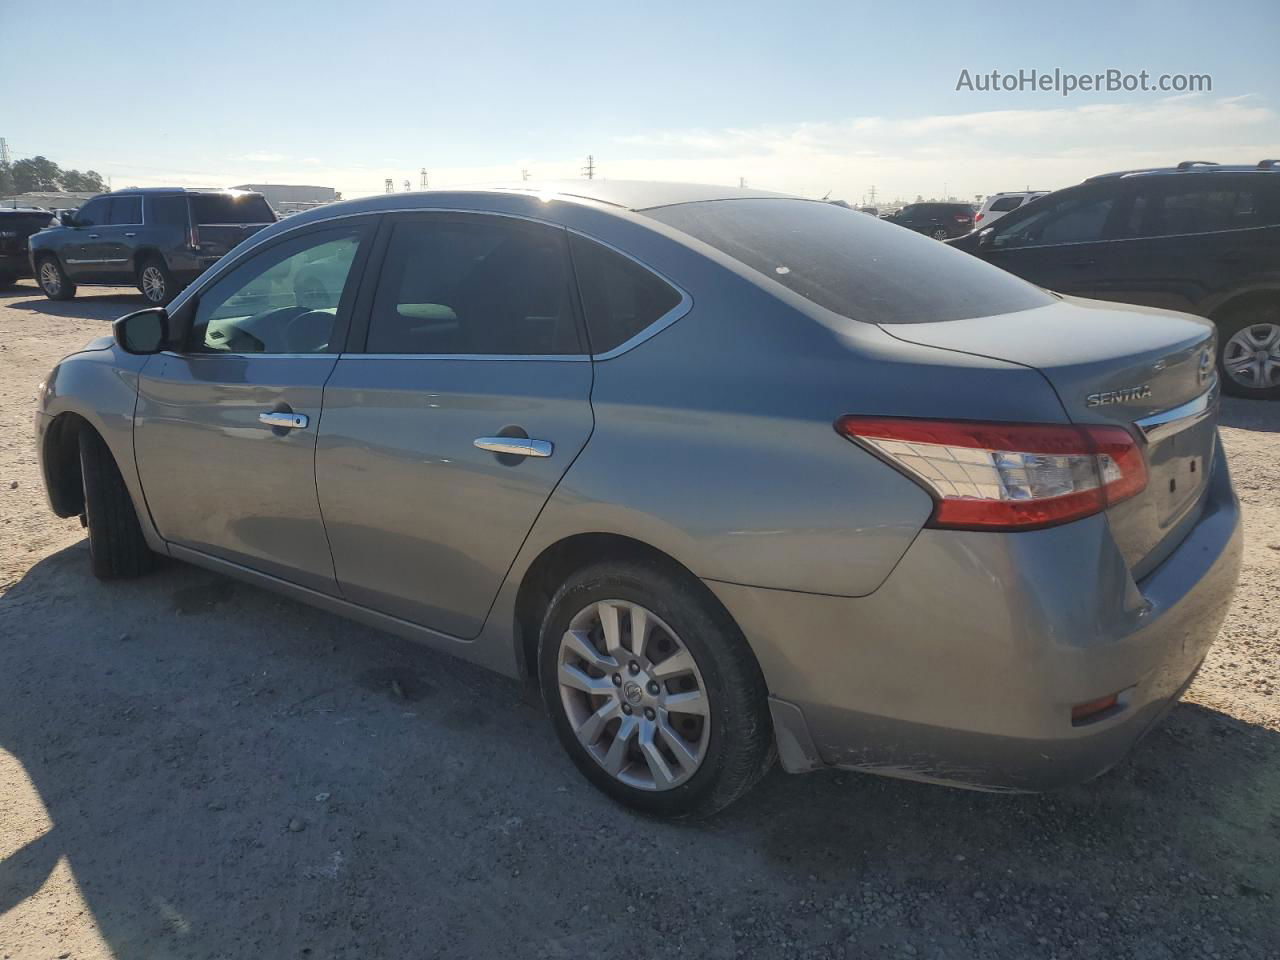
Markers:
(93, 236)
(516, 446)
(130, 234)
(289, 421)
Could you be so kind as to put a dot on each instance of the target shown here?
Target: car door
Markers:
(115, 239)
(81, 253)
(1063, 244)
(225, 428)
(446, 431)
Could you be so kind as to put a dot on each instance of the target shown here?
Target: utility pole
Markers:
(407, 186)
(589, 171)
(524, 173)
(390, 185)
(742, 183)
(424, 178)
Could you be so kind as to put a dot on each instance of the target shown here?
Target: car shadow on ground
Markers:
(1260, 415)
(225, 772)
(89, 303)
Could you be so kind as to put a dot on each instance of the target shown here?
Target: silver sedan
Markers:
(735, 476)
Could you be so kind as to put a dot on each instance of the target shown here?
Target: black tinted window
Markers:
(619, 297)
(1201, 208)
(1005, 204)
(167, 211)
(95, 213)
(481, 285)
(126, 211)
(282, 300)
(1074, 218)
(852, 264)
(211, 208)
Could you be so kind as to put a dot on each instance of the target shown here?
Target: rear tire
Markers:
(53, 280)
(156, 282)
(940, 234)
(1249, 351)
(726, 734)
(117, 549)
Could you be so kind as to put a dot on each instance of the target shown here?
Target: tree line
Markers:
(42, 175)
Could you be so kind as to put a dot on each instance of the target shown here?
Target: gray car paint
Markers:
(709, 446)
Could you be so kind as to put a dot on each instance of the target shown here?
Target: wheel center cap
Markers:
(632, 692)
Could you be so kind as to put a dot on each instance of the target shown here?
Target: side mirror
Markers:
(143, 332)
(67, 218)
(985, 235)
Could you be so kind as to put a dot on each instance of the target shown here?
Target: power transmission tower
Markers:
(589, 171)
(871, 196)
(742, 183)
(4, 152)
(424, 178)
(524, 173)
(407, 186)
(390, 185)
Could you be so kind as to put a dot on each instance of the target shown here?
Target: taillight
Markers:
(195, 237)
(1006, 476)
(978, 218)
(963, 217)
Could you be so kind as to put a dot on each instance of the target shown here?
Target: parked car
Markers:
(986, 539)
(998, 204)
(1197, 237)
(158, 239)
(938, 220)
(17, 224)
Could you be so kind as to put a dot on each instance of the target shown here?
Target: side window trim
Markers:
(358, 336)
(653, 329)
(367, 224)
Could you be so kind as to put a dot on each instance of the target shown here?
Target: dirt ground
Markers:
(190, 767)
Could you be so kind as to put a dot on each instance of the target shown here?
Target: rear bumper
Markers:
(963, 666)
(15, 264)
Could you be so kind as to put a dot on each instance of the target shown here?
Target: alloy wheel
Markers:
(50, 279)
(939, 234)
(153, 284)
(633, 695)
(1251, 356)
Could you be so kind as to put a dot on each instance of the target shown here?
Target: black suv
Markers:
(1199, 237)
(158, 239)
(17, 224)
(938, 220)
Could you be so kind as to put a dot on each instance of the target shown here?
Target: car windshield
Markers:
(213, 208)
(853, 265)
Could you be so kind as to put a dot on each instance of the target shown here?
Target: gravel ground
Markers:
(191, 767)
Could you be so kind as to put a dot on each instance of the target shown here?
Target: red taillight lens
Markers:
(978, 218)
(1006, 476)
(963, 217)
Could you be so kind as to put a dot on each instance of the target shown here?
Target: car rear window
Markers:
(852, 264)
(1005, 204)
(211, 208)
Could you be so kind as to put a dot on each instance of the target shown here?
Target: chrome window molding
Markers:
(652, 330)
(199, 355)
(549, 357)
(1162, 236)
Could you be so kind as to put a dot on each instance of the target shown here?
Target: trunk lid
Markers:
(1149, 371)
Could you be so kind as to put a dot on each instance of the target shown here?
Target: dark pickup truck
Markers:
(157, 239)
(17, 224)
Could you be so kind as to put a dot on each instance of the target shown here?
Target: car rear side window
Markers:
(619, 297)
(488, 286)
(1005, 204)
(1074, 218)
(853, 264)
(1205, 207)
(212, 208)
(167, 211)
(126, 211)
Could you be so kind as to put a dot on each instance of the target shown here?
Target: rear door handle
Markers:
(93, 236)
(131, 234)
(516, 446)
(289, 421)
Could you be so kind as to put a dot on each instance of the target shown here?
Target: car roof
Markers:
(636, 194)
(1187, 167)
(174, 191)
(26, 210)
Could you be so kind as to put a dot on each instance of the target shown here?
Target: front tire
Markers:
(156, 282)
(1249, 351)
(53, 280)
(653, 690)
(940, 233)
(117, 549)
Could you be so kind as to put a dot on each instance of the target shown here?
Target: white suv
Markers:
(998, 204)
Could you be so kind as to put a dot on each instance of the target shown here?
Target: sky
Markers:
(808, 98)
